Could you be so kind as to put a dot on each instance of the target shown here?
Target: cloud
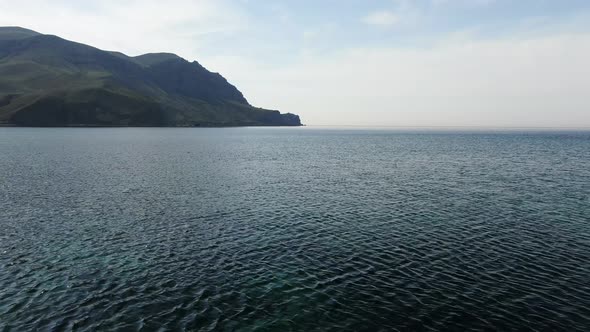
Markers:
(133, 26)
(532, 81)
(382, 18)
(463, 2)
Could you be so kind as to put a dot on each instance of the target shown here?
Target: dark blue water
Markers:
(293, 229)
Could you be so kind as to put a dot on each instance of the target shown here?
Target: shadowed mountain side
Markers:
(48, 81)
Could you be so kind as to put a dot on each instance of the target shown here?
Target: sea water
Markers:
(278, 229)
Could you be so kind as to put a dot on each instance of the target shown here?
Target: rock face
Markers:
(48, 81)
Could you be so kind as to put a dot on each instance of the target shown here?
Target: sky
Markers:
(484, 63)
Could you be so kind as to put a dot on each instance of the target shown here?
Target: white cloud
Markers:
(381, 18)
(133, 26)
(538, 81)
(463, 2)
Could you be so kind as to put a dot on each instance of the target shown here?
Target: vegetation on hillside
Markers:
(48, 81)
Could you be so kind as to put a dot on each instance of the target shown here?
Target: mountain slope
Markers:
(48, 81)
(7, 33)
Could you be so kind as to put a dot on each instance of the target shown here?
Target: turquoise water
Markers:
(278, 229)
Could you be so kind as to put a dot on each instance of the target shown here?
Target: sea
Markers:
(294, 229)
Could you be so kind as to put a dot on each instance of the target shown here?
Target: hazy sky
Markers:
(359, 62)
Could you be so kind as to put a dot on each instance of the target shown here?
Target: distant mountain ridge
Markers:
(49, 81)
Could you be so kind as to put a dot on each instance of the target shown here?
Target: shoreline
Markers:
(9, 125)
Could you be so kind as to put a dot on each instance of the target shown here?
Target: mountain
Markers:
(49, 81)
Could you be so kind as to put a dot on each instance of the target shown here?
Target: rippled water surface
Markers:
(293, 229)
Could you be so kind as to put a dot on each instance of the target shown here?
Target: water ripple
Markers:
(293, 230)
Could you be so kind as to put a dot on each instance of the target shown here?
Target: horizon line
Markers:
(450, 127)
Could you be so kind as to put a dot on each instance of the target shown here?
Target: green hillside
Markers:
(48, 81)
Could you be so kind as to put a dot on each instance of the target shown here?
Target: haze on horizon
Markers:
(496, 63)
